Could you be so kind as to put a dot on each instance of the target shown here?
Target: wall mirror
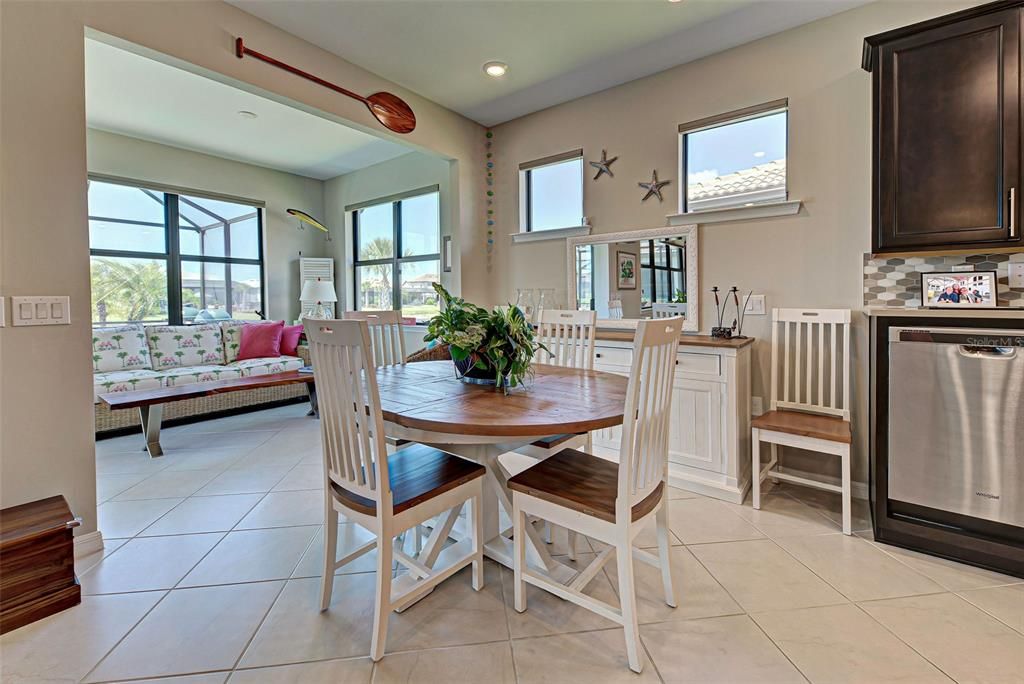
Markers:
(635, 274)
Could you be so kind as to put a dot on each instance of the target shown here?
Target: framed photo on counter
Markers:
(959, 289)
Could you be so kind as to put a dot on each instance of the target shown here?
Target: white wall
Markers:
(813, 259)
(130, 158)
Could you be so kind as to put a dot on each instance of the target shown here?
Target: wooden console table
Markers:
(151, 402)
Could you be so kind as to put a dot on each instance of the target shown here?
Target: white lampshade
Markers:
(318, 291)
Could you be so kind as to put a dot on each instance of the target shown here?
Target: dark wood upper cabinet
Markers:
(947, 131)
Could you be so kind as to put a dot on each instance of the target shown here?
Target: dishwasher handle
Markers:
(988, 352)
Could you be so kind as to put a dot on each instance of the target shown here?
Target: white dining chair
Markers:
(609, 501)
(667, 309)
(385, 494)
(810, 398)
(386, 336)
(615, 309)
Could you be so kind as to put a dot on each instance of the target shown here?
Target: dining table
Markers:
(427, 403)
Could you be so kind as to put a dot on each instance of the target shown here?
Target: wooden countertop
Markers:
(684, 339)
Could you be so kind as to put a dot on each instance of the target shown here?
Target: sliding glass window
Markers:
(208, 267)
(398, 254)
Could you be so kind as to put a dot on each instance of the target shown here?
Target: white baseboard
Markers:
(88, 543)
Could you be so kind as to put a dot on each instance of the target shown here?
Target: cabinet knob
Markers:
(74, 522)
(598, 355)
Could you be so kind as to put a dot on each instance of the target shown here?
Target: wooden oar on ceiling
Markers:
(390, 110)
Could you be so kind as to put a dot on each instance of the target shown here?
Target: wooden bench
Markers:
(150, 402)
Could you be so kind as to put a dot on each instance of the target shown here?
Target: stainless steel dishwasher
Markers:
(956, 421)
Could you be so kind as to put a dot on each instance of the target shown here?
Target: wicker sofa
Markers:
(138, 357)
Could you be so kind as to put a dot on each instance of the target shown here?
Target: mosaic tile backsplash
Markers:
(897, 282)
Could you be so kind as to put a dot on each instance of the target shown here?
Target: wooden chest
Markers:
(37, 562)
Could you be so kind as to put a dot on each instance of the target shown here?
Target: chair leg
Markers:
(330, 553)
(847, 525)
(627, 599)
(519, 553)
(571, 535)
(382, 609)
(755, 471)
(476, 525)
(661, 520)
(547, 532)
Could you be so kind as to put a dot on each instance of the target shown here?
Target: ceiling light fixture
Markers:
(495, 69)
(246, 114)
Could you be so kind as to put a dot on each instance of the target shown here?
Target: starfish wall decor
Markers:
(654, 187)
(603, 166)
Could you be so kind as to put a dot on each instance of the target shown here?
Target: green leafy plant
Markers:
(680, 297)
(499, 343)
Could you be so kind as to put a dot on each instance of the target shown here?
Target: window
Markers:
(736, 159)
(585, 278)
(662, 271)
(552, 192)
(398, 254)
(208, 267)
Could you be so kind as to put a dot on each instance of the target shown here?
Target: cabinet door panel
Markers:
(948, 126)
(695, 436)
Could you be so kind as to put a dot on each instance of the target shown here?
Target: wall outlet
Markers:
(1017, 274)
(756, 406)
(755, 305)
(40, 311)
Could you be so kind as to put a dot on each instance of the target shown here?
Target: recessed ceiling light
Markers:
(495, 69)
(246, 114)
(759, 154)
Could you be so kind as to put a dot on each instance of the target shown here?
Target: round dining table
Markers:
(425, 402)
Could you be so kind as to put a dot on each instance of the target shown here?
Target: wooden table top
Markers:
(161, 395)
(427, 396)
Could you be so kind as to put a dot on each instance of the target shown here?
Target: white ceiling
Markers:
(557, 50)
(143, 98)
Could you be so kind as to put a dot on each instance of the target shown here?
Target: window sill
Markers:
(553, 234)
(768, 210)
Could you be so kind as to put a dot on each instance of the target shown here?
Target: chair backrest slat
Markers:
(667, 309)
(643, 451)
(817, 354)
(351, 422)
(386, 338)
(569, 337)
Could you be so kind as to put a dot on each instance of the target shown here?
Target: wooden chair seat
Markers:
(418, 473)
(830, 428)
(556, 440)
(580, 482)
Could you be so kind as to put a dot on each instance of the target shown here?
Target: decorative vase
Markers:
(470, 374)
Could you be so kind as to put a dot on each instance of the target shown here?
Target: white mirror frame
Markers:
(692, 322)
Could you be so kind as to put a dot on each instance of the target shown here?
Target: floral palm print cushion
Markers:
(177, 346)
(119, 349)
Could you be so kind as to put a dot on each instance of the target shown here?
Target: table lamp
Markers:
(318, 291)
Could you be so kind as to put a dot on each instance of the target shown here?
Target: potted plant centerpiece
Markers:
(487, 347)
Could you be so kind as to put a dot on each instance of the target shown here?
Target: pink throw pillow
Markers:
(290, 340)
(260, 341)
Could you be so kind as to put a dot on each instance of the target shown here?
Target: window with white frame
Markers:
(397, 253)
(551, 192)
(736, 159)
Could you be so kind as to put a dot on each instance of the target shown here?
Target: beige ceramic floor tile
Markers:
(350, 537)
(205, 459)
(252, 556)
(65, 646)
(547, 614)
(168, 484)
(841, 644)
(134, 461)
(723, 649)
(85, 563)
(204, 514)
(275, 419)
(109, 486)
(950, 574)
(482, 662)
(964, 642)
(119, 445)
(856, 568)
(452, 615)
(209, 678)
(582, 657)
(830, 505)
(697, 593)
(119, 519)
(353, 671)
(193, 439)
(761, 576)
(286, 509)
(284, 448)
(702, 521)
(190, 631)
(244, 481)
(296, 631)
(302, 477)
(148, 563)
(783, 516)
(677, 493)
(1004, 603)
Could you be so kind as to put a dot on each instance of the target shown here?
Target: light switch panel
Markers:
(41, 310)
(755, 305)
(1017, 275)
(3, 312)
